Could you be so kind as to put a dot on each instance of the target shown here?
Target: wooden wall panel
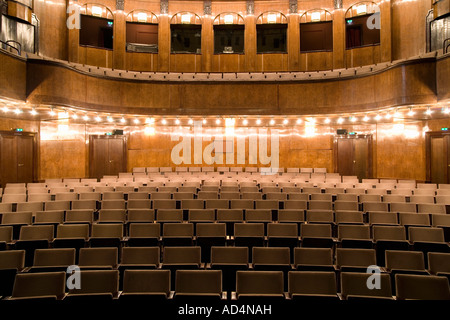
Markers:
(53, 32)
(398, 148)
(410, 83)
(13, 77)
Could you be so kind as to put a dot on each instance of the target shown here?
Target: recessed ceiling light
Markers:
(122, 120)
(85, 118)
(5, 109)
(191, 121)
(429, 111)
(299, 121)
(446, 110)
(272, 122)
(204, 121)
(163, 121)
(258, 121)
(411, 112)
(366, 118)
(245, 122)
(17, 111)
(340, 120)
(217, 121)
(136, 121)
(327, 120)
(75, 116)
(98, 119)
(353, 119)
(177, 121)
(377, 117)
(33, 112)
(52, 113)
(285, 121)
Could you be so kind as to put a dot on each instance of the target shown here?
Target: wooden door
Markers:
(438, 157)
(17, 156)
(24, 158)
(107, 155)
(353, 155)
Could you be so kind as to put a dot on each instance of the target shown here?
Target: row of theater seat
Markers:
(250, 235)
(222, 279)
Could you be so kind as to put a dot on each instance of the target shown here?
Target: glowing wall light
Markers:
(271, 18)
(142, 17)
(149, 130)
(315, 16)
(186, 18)
(228, 19)
(97, 11)
(361, 9)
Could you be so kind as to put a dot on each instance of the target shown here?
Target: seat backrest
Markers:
(431, 208)
(353, 232)
(17, 218)
(389, 233)
(229, 255)
(230, 215)
(178, 230)
(355, 284)
(346, 205)
(98, 281)
(211, 230)
(169, 215)
(282, 230)
(313, 256)
(147, 281)
(421, 287)
(249, 229)
(6, 234)
(295, 204)
(70, 231)
(49, 217)
(315, 230)
(113, 230)
(403, 207)
(404, 260)
(383, 218)
(259, 282)
(12, 259)
(182, 255)
(272, 256)
(258, 215)
(30, 206)
(98, 257)
(198, 281)
(140, 255)
(37, 233)
(314, 282)
(414, 219)
(418, 234)
(439, 262)
(349, 217)
(39, 284)
(355, 257)
(202, 215)
(145, 230)
(54, 257)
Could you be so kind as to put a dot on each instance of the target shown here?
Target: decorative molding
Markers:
(293, 6)
(338, 4)
(207, 10)
(250, 6)
(164, 6)
(120, 5)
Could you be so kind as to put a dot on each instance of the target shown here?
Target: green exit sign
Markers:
(352, 133)
(109, 133)
(18, 130)
(444, 129)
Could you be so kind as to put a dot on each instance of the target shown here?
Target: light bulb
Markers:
(366, 118)
(33, 112)
(218, 121)
(327, 120)
(85, 118)
(272, 122)
(136, 121)
(122, 120)
(245, 122)
(285, 121)
(98, 119)
(340, 120)
(258, 121)
(299, 121)
(163, 121)
(177, 121)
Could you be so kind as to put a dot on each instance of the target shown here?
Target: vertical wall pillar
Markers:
(164, 37)
(338, 35)
(385, 32)
(73, 34)
(207, 37)
(119, 41)
(293, 37)
(250, 37)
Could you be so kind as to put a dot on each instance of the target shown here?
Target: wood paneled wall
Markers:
(398, 148)
(250, 61)
(409, 83)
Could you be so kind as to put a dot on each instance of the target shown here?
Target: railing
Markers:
(8, 45)
(446, 46)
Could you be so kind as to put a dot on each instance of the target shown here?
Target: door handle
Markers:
(20, 165)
